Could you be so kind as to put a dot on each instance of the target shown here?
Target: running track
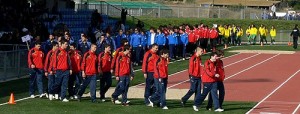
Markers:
(272, 80)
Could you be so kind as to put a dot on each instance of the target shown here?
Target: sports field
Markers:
(256, 82)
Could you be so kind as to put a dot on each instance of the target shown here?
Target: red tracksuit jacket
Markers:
(123, 65)
(89, 63)
(220, 70)
(197, 33)
(148, 61)
(205, 33)
(76, 58)
(209, 71)
(192, 38)
(113, 63)
(213, 34)
(61, 60)
(195, 68)
(104, 62)
(36, 57)
(161, 68)
(49, 61)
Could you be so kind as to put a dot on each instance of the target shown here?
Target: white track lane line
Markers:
(224, 67)
(296, 109)
(273, 92)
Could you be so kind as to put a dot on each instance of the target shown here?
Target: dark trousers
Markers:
(263, 38)
(295, 42)
(122, 88)
(160, 94)
(75, 77)
(221, 95)
(238, 40)
(61, 81)
(136, 52)
(212, 88)
(36, 76)
(89, 79)
(172, 48)
(160, 47)
(150, 87)
(191, 48)
(233, 39)
(213, 43)
(195, 88)
(219, 39)
(51, 81)
(105, 83)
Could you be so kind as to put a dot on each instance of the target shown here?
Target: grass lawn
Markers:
(37, 105)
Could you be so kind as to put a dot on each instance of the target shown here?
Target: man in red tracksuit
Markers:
(124, 73)
(192, 41)
(213, 35)
(195, 70)
(48, 68)
(104, 67)
(89, 73)
(220, 84)
(36, 65)
(161, 79)
(209, 76)
(124, 42)
(148, 70)
(76, 58)
(63, 69)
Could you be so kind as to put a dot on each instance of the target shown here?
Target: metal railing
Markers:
(13, 61)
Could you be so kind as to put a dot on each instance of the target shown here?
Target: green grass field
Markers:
(20, 89)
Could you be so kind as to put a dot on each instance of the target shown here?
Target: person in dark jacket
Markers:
(295, 34)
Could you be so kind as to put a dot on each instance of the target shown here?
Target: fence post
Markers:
(5, 66)
(178, 11)
(219, 13)
(198, 12)
(159, 12)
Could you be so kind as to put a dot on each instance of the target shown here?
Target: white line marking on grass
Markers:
(224, 67)
(273, 92)
(296, 109)
(19, 100)
(252, 66)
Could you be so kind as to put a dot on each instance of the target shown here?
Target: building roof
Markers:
(238, 2)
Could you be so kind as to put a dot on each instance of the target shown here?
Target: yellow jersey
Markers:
(273, 32)
(221, 30)
(253, 31)
(240, 33)
(227, 33)
(248, 31)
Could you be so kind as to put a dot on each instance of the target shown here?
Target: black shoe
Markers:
(208, 108)
(182, 103)
(94, 101)
(125, 104)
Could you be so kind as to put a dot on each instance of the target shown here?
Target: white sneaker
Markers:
(41, 95)
(75, 96)
(183, 59)
(103, 100)
(71, 97)
(195, 108)
(32, 96)
(60, 98)
(165, 108)
(56, 96)
(51, 97)
(65, 100)
(150, 102)
(127, 102)
(117, 102)
(46, 95)
(149, 105)
(219, 110)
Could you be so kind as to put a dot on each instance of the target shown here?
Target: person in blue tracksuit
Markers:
(173, 42)
(105, 39)
(160, 39)
(119, 37)
(144, 44)
(151, 35)
(48, 44)
(84, 45)
(136, 43)
(184, 40)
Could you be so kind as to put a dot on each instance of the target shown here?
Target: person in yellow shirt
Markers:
(263, 35)
(248, 34)
(239, 34)
(226, 36)
(273, 34)
(253, 33)
(221, 34)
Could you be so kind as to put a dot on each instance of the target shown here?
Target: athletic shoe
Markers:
(75, 97)
(209, 109)
(32, 96)
(118, 102)
(183, 58)
(41, 95)
(103, 100)
(71, 97)
(150, 102)
(50, 97)
(46, 95)
(113, 100)
(60, 98)
(165, 108)
(56, 96)
(219, 110)
(94, 101)
(125, 104)
(182, 103)
(195, 108)
(65, 100)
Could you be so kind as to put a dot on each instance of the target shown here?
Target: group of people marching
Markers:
(71, 66)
